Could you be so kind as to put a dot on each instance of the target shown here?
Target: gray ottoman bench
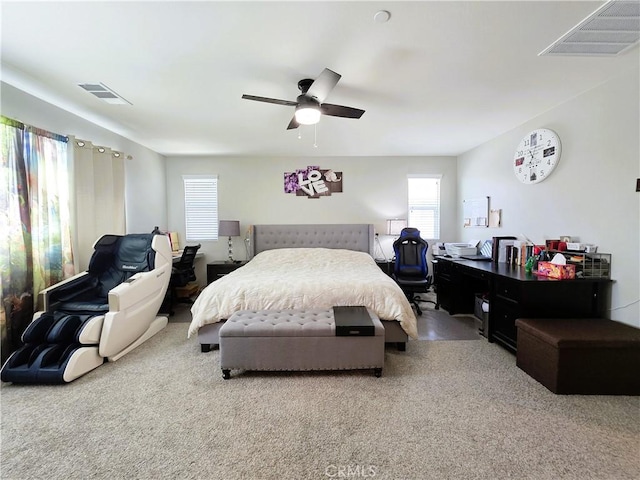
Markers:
(296, 340)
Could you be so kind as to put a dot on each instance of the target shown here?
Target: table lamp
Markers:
(395, 226)
(229, 228)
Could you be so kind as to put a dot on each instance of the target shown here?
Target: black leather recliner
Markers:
(97, 315)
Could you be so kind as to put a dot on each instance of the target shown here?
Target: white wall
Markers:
(252, 190)
(590, 195)
(145, 173)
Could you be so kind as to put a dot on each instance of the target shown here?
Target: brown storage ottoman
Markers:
(580, 355)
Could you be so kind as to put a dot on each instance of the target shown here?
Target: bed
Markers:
(304, 267)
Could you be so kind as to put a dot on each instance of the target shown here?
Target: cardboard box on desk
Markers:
(553, 270)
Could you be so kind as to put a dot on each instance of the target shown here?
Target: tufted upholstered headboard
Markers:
(357, 237)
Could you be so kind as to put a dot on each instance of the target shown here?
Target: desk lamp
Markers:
(229, 228)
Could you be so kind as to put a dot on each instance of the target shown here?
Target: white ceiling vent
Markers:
(104, 93)
(609, 30)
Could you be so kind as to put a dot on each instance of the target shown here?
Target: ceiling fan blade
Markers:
(340, 111)
(287, 103)
(322, 85)
(293, 124)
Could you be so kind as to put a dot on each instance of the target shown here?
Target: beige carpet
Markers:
(442, 410)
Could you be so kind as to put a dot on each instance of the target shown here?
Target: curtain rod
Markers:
(30, 128)
(86, 143)
(11, 122)
(56, 136)
(46, 133)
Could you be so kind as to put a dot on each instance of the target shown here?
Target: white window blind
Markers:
(424, 205)
(201, 207)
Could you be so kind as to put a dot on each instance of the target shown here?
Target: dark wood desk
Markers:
(176, 256)
(513, 294)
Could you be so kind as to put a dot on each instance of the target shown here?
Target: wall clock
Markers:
(537, 155)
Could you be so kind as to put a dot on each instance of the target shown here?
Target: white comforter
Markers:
(302, 278)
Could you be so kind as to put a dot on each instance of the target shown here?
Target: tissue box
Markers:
(552, 270)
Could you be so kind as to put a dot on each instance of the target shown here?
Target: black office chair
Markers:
(410, 270)
(182, 273)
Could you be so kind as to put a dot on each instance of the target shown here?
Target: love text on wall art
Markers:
(313, 182)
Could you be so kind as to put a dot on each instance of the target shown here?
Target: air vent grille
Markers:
(104, 93)
(610, 30)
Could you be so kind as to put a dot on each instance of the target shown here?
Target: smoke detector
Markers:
(382, 16)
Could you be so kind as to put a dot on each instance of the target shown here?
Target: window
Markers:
(201, 207)
(424, 205)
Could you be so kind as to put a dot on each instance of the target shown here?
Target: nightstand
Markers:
(215, 270)
(387, 266)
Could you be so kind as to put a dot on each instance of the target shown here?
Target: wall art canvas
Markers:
(313, 182)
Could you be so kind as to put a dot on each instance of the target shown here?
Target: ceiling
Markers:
(439, 78)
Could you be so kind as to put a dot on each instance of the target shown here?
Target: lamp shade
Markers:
(395, 226)
(307, 115)
(229, 228)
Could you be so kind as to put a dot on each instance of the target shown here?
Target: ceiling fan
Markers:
(309, 105)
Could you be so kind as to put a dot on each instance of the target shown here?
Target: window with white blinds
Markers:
(424, 205)
(201, 207)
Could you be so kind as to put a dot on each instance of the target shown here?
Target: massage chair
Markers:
(98, 315)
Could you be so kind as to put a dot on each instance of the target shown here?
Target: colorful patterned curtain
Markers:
(35, 244)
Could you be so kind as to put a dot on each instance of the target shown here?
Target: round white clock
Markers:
(537, 155)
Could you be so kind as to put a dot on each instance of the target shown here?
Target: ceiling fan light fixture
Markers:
(307, 115)
(309, 104)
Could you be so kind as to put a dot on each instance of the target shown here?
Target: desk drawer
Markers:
(474, 273)
(503, 317)
(507, 289)
(442, 268)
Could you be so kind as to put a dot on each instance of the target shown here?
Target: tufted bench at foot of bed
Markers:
(209, 335)
(293, 340)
